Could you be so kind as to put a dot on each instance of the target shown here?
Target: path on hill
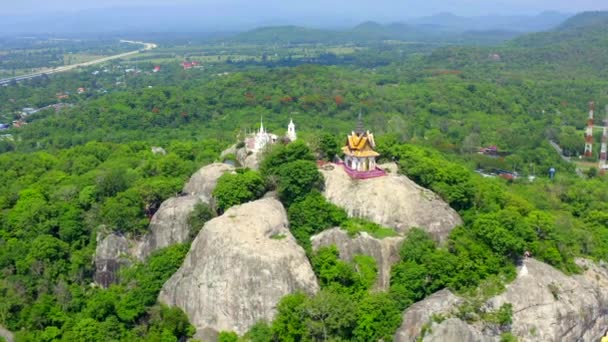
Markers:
(559, 150)
(147, 46)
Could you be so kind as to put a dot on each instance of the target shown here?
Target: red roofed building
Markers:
(190, 65)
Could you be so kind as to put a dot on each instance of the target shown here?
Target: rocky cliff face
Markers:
(384, 251)
(203, 182)
(454, 329)
(419, 314)
(168, 226)
(547, 306)
(111, 253)
(239, 266)
(393, 201)
(550, 306)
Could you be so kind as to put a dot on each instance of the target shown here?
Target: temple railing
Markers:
(377, 172)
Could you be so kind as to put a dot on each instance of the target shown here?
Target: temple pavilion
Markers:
(360, 155)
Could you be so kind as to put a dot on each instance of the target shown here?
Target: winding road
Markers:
(147, 46)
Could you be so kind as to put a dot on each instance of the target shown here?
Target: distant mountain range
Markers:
(443, 27)
(541, 22)
(197, 18)
(574, 49)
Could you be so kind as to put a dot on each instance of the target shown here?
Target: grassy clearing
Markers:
(356, 226)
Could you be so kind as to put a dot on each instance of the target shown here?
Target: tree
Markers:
(283, 154)
(416, 246)
(198, 217)
(378, 316)
(297, 179)
(312, 215)
(328, 146)
(289, 325)
(235, 189)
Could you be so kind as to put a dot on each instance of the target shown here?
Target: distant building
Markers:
(156, 68)
(4, 126)
(19, 123)
(189, 65)
(81, 90)
(489, 151)
(494, 57)
(28, 111)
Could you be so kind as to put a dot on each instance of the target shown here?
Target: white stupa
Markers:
(291, 131)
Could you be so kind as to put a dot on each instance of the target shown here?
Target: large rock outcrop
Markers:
(551, 306)
(547, 306)
(111, 253)
(168, 226)
(384, 251)
(239, 266)
(419, 314)
(203, 182)
(393, 201)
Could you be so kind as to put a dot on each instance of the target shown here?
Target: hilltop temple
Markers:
(360, 155)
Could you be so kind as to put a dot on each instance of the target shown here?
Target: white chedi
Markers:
(291, 131)
(263, 138)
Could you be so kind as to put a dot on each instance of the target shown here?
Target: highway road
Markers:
(147, 46)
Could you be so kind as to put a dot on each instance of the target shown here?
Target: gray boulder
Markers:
(112, 252)
(384, 251)
(239, 266)
(168, 226)
(393, 201)
(203, 182)
(419, 314)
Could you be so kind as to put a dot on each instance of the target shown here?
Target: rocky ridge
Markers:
(168, 226)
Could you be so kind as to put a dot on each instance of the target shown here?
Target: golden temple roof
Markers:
(360, 145)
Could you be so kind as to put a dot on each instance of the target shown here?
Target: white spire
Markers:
(291, 131)
(261, 124)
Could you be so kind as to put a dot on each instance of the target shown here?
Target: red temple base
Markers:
(354, 174)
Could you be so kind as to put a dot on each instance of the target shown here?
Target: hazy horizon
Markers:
(353, 8)
(213, 15)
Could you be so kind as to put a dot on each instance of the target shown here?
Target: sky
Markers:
(358, 8)
(81, 16)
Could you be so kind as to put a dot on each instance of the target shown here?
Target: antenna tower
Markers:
(589, 131)
(604, 147)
